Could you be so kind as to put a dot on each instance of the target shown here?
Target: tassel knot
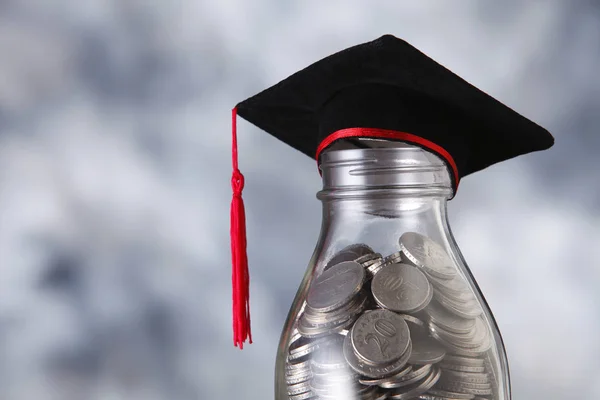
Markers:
(237, 183)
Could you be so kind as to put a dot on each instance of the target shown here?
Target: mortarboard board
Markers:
(384, 89)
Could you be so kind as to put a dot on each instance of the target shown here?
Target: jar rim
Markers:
(404, 169)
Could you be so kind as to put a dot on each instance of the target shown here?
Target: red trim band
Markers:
(389, 134)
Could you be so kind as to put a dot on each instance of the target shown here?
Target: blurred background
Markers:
(115, 164)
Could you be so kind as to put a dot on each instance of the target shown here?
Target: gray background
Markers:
(114, 188)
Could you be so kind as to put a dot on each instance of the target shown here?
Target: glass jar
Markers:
(388, 307)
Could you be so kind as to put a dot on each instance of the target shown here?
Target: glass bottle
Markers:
(388, 307)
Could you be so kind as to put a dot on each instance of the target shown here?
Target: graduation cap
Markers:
(384, 89)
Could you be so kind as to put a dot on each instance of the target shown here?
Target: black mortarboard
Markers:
(389, 85)
(381, 89)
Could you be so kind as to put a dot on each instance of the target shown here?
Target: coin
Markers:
(373, 269)
(297, 365)
(393, 258)
(314, 331)
(423, 252)
(444, 394)
(302, 396)
(336, 286)
(466, 309)
(298, 388)
(415, 376)
(465, 388)
(441, 317)
(413, 321)
(466, 361)
(349, 253)
(418, 388)
(354, 306)
(373, 371)
(368, 259)
(461, 368)
(404, 371)
(297, 378)
(482, 346)
(426, 351)
(380, 337)
(456, 287)
(460, 339)
(305, 346)
(468, 377)
(340, 345)
(401, 288)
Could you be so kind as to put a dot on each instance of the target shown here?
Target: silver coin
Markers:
(426, 351)
(314, 331)
(305, 368)
(461, 350)
(441, 317)
(295, 335)
(373, 371)
(413, 321)
(371, 382)
(401, 288)
(354, 306)
(380, 337)
(302, 396)
(459, 301)
(375, 268)
(419, 388)
(297, 365)
(305, 346)
(459, 339)
(297, 377)
(444, 394)
(297, 372)
(466, 361)
(456, 287)
(376, 258)
(467, 377)
(298, 388)
(293, 379)
(460, 368)
(456, 336)
(415, 376)
(470, 388)
(335, 287)
(471, 307)
(424, 253)
(368, 258)
(468, 310)
(394, 258)
(349, 253)
(465, 386)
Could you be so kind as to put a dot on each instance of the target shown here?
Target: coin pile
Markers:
(335, 300)
(406, 326)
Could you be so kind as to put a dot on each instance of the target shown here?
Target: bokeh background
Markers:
(114, 188)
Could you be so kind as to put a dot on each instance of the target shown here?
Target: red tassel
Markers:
(240, 278)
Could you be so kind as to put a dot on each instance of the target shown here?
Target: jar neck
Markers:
(382, 192)
(402, 171)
